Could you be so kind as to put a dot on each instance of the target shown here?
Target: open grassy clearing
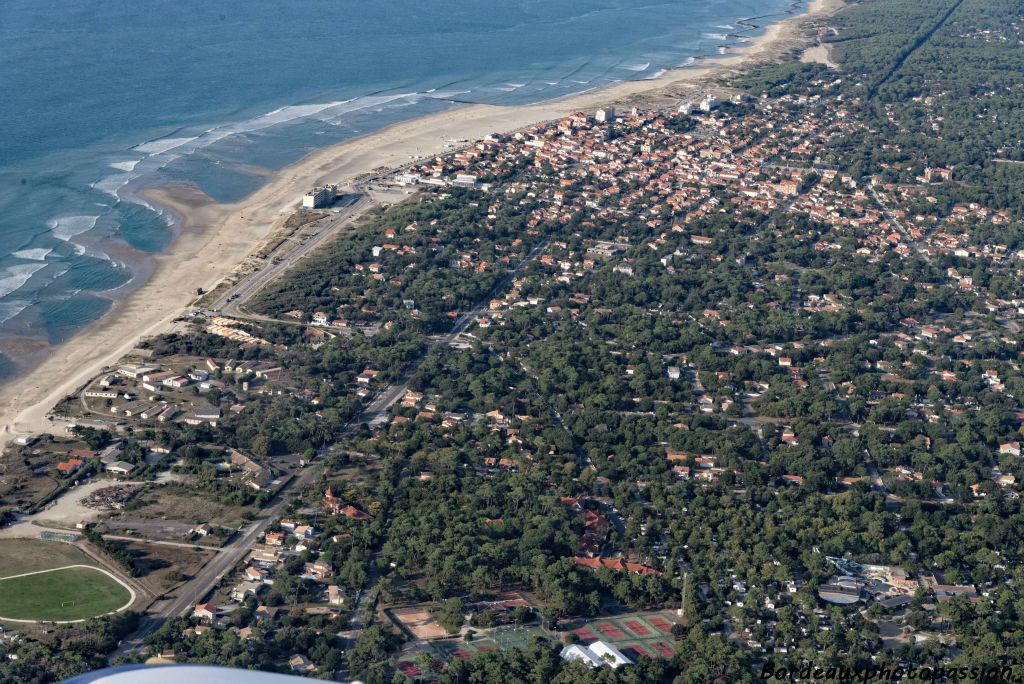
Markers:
(28, 555)
(176, 502)
(163, 566)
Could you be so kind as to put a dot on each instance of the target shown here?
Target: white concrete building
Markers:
(319, 197)
(709, 103)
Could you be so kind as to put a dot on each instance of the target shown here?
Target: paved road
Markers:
(211, 573)
(288, 253)
(376, 412)
(205, 580)
(284, 257)
(366, 597)
(163, 542)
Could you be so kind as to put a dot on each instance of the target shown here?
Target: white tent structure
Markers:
(597, 654)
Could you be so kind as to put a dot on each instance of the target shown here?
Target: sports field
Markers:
(70, 593)
(18, 556)
(637, 635)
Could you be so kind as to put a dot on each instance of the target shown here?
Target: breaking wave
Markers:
(34, 254)
(66, 227)
(13, 278)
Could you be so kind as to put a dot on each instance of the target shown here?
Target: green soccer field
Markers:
(61, 594)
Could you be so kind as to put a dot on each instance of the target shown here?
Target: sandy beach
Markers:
(216, 237)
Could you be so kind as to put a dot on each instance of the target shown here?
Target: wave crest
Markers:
(13, 278)
(66, 227)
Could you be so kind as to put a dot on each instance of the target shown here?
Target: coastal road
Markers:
(287, 254)
(229, 555)
(207, 578)
(284, 257)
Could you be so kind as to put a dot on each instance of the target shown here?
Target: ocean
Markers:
(101, 98)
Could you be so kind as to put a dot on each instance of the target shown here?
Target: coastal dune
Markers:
(215, 238)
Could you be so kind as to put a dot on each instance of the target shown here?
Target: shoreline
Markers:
(214, 239)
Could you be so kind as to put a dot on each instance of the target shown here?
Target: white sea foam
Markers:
(657, 74)
(337, 115)
(162, 151)
(111, 184)
(164, 147)
(637, 67)
(287, 114)
(128, 165)
(14, 277)
(715, 36)
(161, 145)
(9, 310)
(323, 111)
(67, 227)
(445, 94)
(33, 254)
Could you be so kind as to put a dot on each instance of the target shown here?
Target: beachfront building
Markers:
(320, 197)
(709, 103)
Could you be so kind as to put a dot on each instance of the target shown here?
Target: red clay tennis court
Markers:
(636, 627)
(663, 649)
(461, 654)
(585, 634)
(611, 631)
(638, 651)
(661, 624)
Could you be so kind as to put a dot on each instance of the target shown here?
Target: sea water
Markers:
(99, 98)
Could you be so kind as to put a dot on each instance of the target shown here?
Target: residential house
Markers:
(244, 590)
(1011, 448)
(70, 466)
(318, 571)
(367, 376)
(300, 663)
(254, 574)
(206, 612)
